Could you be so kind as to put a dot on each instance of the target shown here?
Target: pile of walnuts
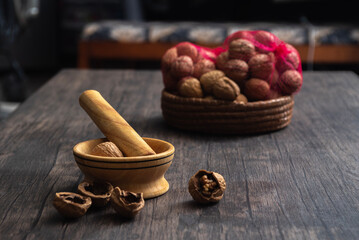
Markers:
(251, 65)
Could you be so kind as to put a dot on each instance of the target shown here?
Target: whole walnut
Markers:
(190, 87)
(261, 66)
(203, 66)
(256, 89)
(168, 58)
(241, 99)
(290, 81)
(241, 49)
(221, 60)
(266, 41)
(182, 66)
(290, 61)
(225, 89)
(236, 70)
(208, 80)
(247, 35)
(187, 49)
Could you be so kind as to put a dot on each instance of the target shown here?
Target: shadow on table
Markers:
(157, 125)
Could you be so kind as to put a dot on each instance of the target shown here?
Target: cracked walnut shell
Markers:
(99, 192)
(206, 186)
(125, 203)
(71, 205)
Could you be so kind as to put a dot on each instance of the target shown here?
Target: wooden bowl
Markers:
(216, 116)
(136, 174)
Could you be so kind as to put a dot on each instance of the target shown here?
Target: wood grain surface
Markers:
(301, 182)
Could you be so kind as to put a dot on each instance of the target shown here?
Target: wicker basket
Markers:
(215, 116)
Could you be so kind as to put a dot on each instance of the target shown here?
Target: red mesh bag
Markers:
(185, 60)
(263, 66)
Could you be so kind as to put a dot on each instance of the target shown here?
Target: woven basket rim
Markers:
(218, 116)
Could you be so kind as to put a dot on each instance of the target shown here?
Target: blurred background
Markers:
(38, 38)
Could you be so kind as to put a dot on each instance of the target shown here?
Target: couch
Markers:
(324, 43)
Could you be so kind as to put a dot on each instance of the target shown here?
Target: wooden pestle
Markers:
(113, 126)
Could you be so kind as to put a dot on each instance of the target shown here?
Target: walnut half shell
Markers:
(125, 203)
(99, 192)
(207, 187)
(71, 205)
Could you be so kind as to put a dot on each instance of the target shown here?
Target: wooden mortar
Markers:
(113, 126)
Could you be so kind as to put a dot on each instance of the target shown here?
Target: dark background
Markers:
(49, 42)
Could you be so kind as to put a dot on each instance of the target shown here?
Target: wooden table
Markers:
(301, 182)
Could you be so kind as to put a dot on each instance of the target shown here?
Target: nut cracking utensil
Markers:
(113, 126)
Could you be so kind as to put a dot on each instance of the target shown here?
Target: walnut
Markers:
(241, 49)
(106, 149)
(207, 187)
(247, 35)
(221, 60)
(127, 204)
(266, 41)
(99, 192)
(261, 66)
(290, 81)
(190, 87)
(290, 61)
(225, 89)
(236, 70)
(187, 49)
(71, 205)
(241, 99)
(209, 97)
(168, 58)
(256, 89)
(208, 79)
(182, 67)
(203, 66)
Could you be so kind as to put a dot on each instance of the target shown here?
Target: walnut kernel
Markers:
(125, 203)
(206, 186)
